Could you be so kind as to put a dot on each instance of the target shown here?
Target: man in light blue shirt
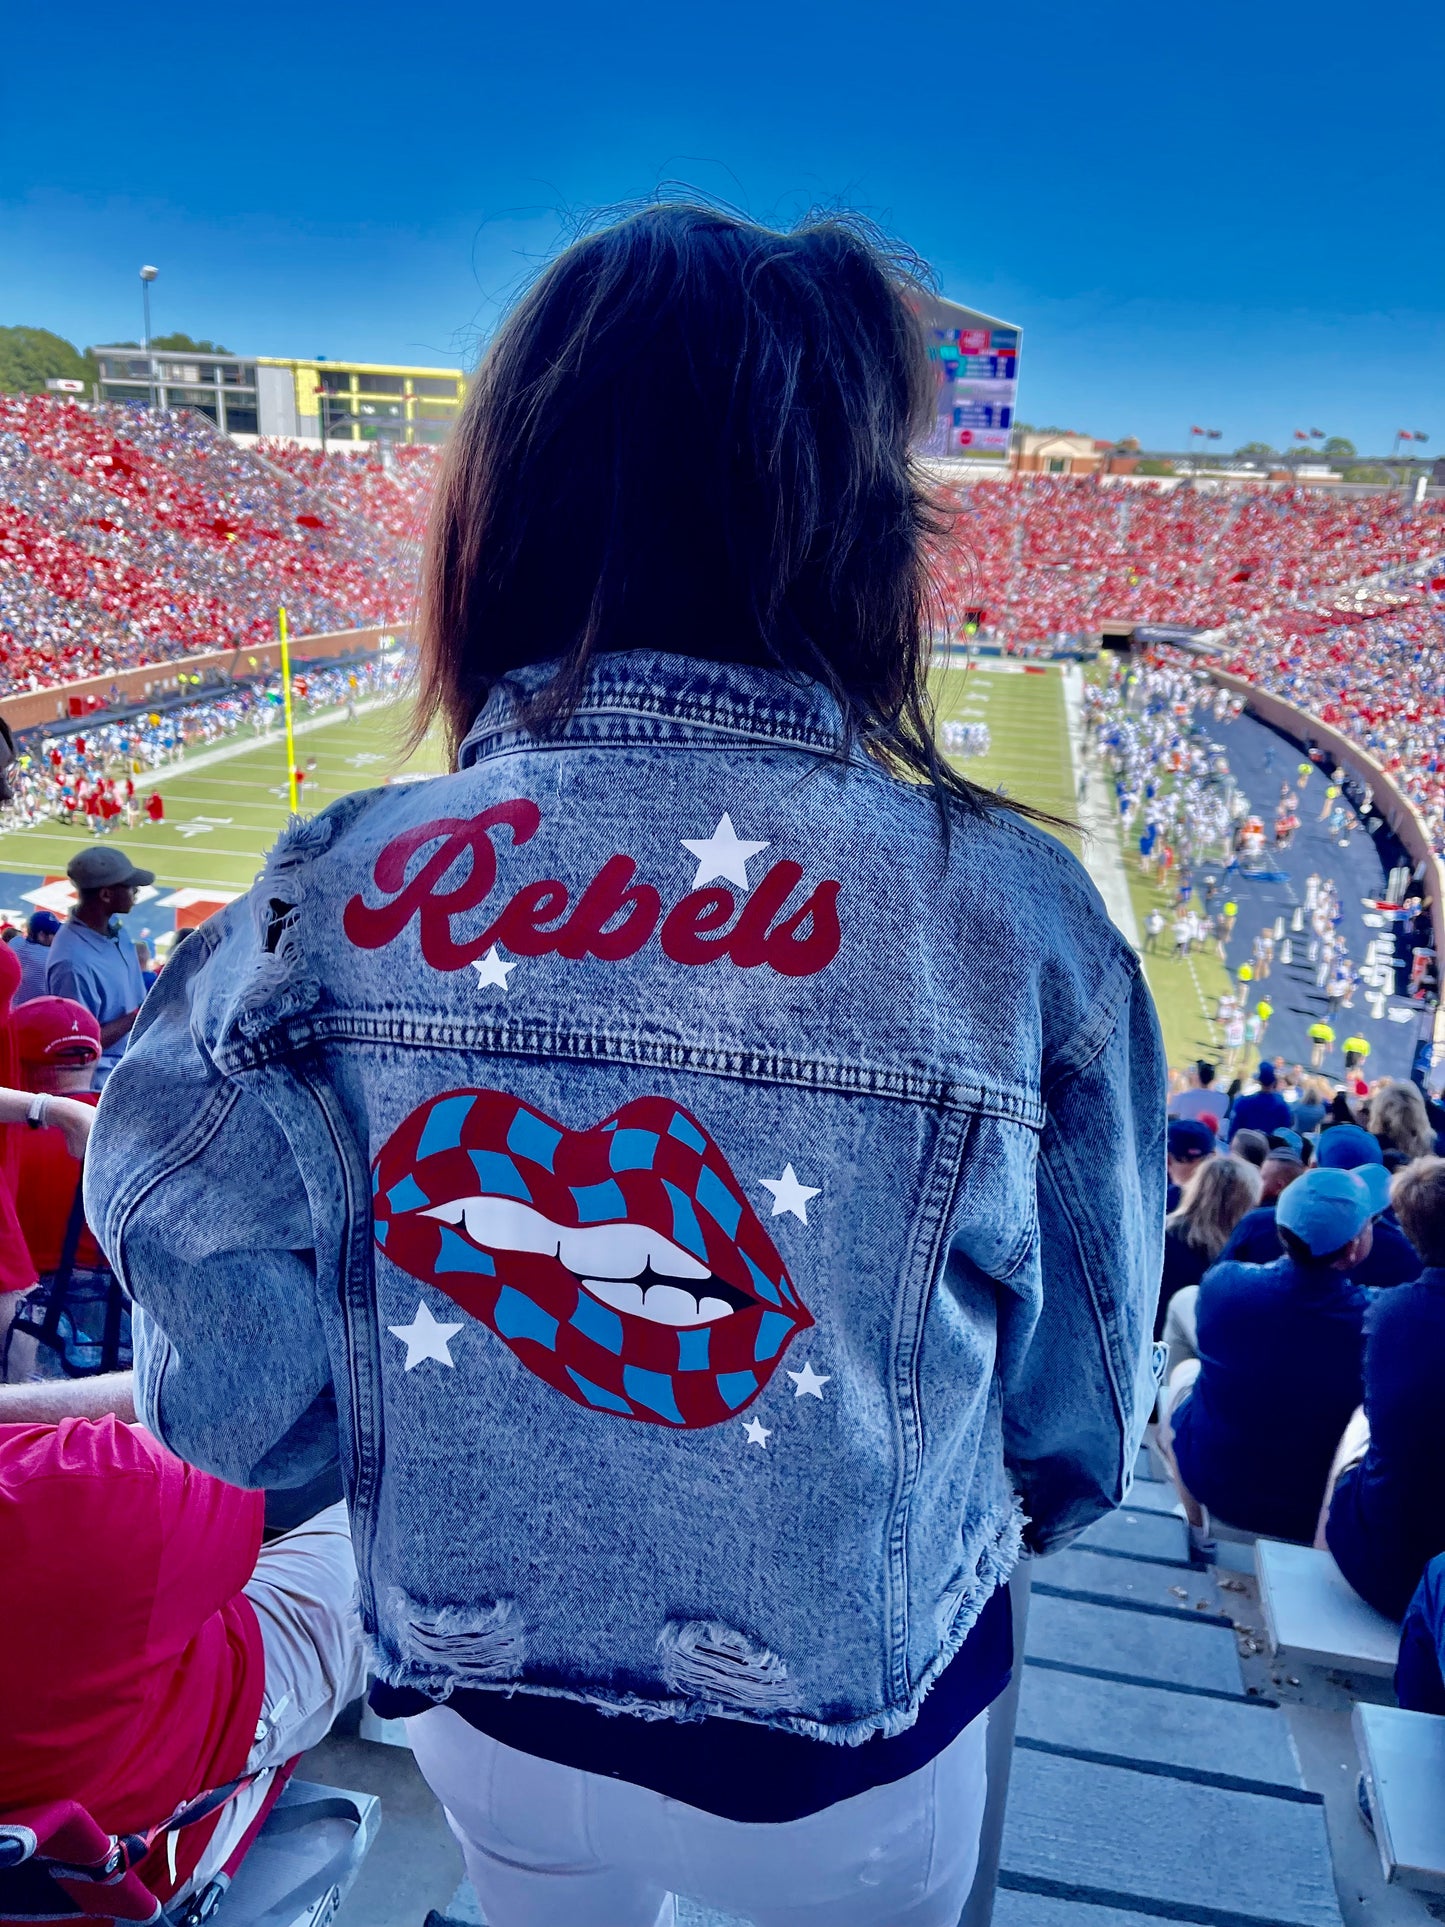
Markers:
(92, 960)
(33, 950)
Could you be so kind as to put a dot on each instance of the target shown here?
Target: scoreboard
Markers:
(976, 358)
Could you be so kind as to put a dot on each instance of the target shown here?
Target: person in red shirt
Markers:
(155, 808)
(165, 1650)
(59, 1046)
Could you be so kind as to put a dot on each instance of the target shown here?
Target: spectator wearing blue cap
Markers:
(1262, 1110)
(1189, 1142)
(1387, 1513)
(1252, 1424)
(1391, 1259)
(33, 952)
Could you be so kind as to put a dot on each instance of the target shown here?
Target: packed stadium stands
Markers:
(127, 538)
(394, 498)
(1058, 557)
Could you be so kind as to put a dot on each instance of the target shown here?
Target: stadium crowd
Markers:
(1300, 1286)
(129, 538)
(392, 494)
(1056, 558)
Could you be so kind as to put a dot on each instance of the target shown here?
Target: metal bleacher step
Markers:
(1313, 1615)
(1146, 1645)
(1085, 1573)
(1143, 1535)
(1403, 1757)
(1243, 1741)
(1159, 1842)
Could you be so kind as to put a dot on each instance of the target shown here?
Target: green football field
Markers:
(225, 805)
(1029, 758)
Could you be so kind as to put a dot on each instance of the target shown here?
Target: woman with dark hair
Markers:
(698, 1166)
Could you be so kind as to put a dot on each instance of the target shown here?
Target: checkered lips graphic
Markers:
(620, 1263)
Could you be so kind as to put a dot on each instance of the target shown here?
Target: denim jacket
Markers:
(711, 1218)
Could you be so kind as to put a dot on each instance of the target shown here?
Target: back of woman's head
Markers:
(1214, 1201)
(694, 434)
(1397, 1118)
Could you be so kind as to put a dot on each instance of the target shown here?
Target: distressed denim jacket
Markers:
(710, 1219)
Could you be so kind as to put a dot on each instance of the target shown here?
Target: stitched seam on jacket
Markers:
(1094, 1033)
(1123, 1409)
(129, 1197)
(521, 1039)
(922, 1264)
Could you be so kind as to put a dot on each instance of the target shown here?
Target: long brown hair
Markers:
(694, 434)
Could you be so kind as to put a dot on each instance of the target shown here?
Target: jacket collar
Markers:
(644, 695)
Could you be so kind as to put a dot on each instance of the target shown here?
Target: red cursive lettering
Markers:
(757, 939)
(613, 919)
(611, 893)
(685, 935)
(528, 926)
(422, 897)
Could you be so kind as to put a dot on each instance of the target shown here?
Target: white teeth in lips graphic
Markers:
(626, 1266)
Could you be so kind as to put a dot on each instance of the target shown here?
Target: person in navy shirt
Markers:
(1387, 1516)
(1189, 1142)
(1391, 1259)
(1253, 1424)
(1420, 1674)
(1262, 1110)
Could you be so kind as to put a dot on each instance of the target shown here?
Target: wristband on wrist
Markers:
(39, 1107)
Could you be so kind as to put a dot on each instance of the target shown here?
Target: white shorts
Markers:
(304, 1593)
(553, 1846)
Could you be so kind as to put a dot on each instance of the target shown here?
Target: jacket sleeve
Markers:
(1080, 1376)
(197, 1201)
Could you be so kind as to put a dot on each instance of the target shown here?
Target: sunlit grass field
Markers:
(223, 812)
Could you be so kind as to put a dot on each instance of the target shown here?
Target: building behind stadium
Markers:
(335, 403)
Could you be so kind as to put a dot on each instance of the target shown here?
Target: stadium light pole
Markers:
(147, 275)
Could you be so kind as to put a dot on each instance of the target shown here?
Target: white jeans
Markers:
(552, 1846)
(304, 1593)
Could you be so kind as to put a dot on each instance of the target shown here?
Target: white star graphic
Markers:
(493, 969)
(789, 1194)
(425, 1337)
(758, 1433)
(809, 1384)
(723, 854)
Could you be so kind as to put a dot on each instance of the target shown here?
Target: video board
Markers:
(977, 358)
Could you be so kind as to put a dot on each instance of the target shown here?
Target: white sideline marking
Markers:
(1103, 857)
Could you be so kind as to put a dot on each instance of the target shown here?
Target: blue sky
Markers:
(1226, 214)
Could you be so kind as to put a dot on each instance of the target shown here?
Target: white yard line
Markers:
(1103, 858)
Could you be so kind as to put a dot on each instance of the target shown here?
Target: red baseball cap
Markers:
(56, 1030)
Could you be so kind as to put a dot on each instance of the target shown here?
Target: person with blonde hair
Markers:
(1396, 1116)
(1196, 1232)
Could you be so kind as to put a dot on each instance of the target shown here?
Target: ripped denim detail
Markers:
(714, 1671)
(714, 1664)
(281, 986)
(456, 1646)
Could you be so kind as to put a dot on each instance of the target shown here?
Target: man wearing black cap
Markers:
(1189, 1143)
(92, 960)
